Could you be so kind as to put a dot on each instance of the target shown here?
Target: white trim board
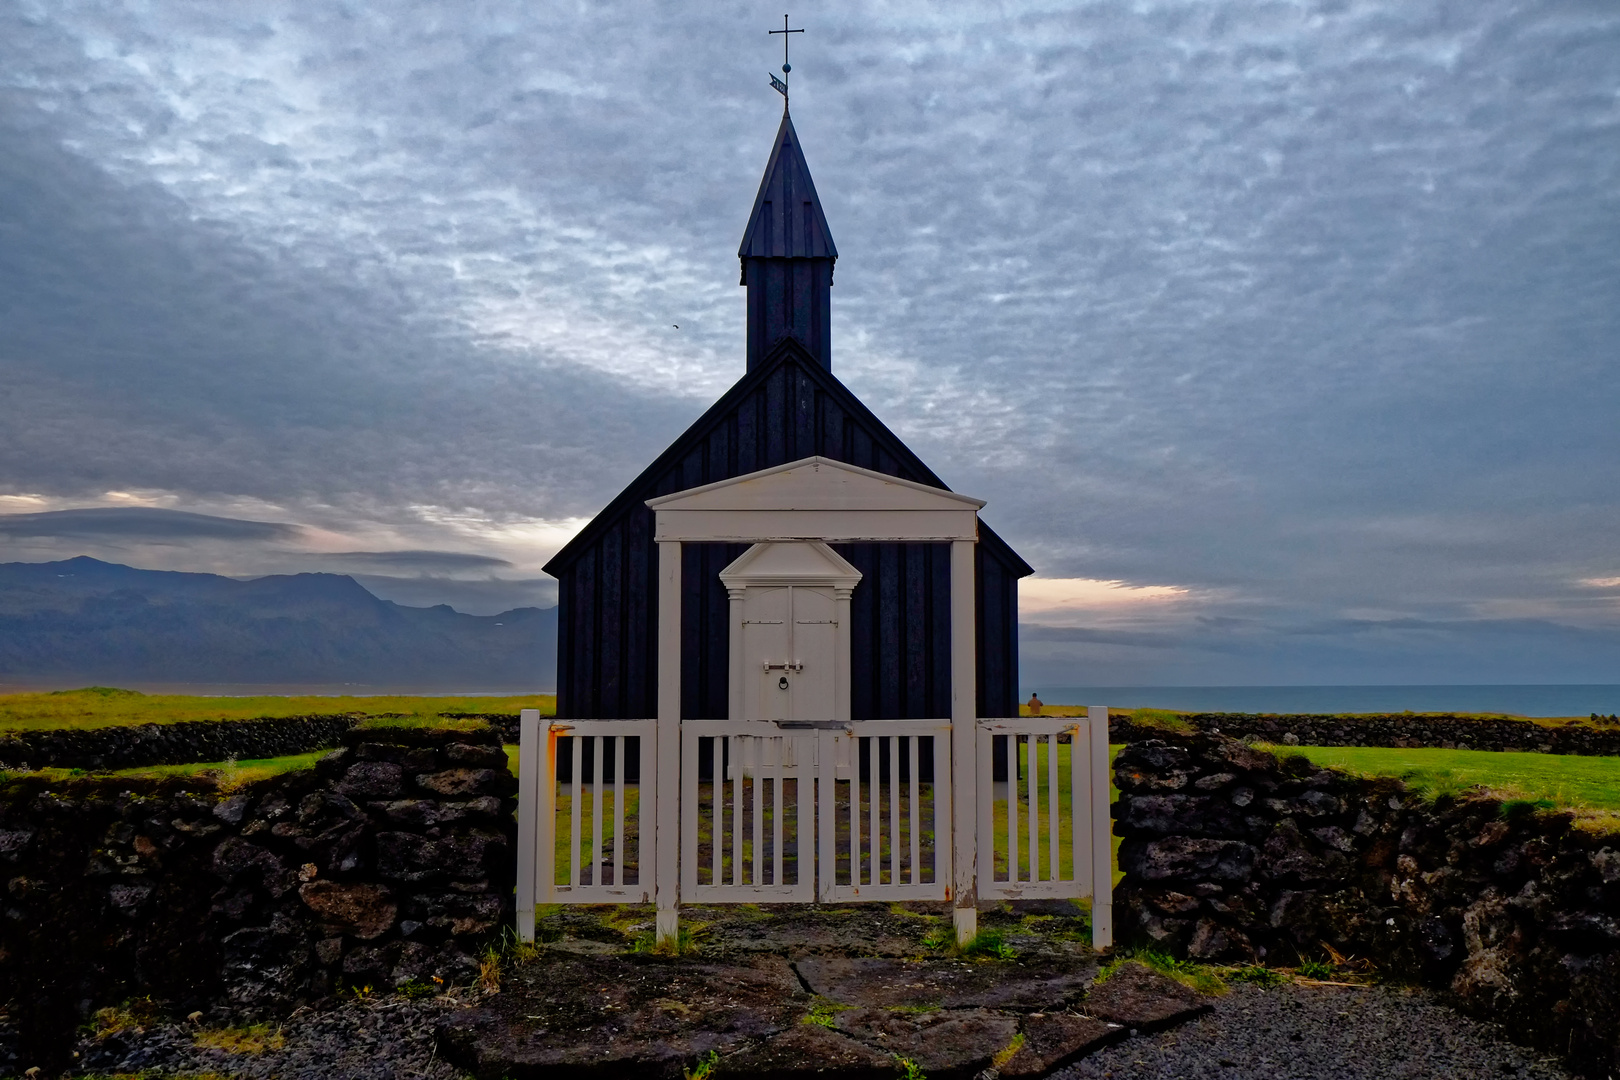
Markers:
(815, 498)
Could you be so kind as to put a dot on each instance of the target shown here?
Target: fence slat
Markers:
(874, 793)
(577, 760)
(916, 812)
(854, 811)
(598, 745)
(1079, 808)
(756, 753)
(1012, 807)
(1052, 816)
(1034, 808)
(894, 809)
(718, 818)
(737, 828)
(781, 812)
(618, 809)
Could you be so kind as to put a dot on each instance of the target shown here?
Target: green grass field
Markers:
(101, 706)
(1171, 720)
(1559, 779)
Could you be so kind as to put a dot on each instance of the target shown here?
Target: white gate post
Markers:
(667, 750)
(532, 802)
(1102, 831)
(964, 731)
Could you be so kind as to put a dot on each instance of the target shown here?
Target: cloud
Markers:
(1035, 632)
(443, 561)
(1048, 598)
(1307, 311)
(140, 523)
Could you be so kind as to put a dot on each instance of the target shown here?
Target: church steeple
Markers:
(787, 257)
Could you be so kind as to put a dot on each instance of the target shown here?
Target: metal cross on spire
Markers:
(781, 84)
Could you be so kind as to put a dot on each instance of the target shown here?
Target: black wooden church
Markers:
(787, 406)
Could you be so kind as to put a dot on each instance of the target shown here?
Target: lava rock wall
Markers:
(1231, 854)
(1442, 731)
(140, 745)
(392, 860)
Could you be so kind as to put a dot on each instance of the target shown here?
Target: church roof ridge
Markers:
(787, 221)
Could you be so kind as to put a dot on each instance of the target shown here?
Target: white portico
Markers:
(790, 514)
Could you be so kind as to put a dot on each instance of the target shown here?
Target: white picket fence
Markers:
(785, 812)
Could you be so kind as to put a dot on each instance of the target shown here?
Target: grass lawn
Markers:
(101, 706)
(1558, 779)
(1174, 720)
(223, 775)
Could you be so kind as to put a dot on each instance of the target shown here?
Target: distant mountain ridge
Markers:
(104, 622)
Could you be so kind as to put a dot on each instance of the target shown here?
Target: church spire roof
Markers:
(787, 257)
(787, 222)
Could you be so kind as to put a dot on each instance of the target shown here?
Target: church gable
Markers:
(787, 409)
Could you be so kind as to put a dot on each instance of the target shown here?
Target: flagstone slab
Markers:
(567, 1016)
(1053, 1040)
(944, 1043)
(808, 1050)
(1143, 1000)
(951, 984)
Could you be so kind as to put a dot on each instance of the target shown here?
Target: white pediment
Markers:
(794, 563)
(815, 483)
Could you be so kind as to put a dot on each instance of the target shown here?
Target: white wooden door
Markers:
(789, 654)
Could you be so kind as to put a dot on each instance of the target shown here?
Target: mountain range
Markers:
(87, 620)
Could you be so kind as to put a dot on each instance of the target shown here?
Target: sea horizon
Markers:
(1540, 700)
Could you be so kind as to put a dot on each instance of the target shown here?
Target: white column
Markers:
(964, 725)
(668, 750)
(735, 674)
(841, 660)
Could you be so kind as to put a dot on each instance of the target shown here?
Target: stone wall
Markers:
(393, 859)
(1601, 737)
(169, 744)
(1230, 854)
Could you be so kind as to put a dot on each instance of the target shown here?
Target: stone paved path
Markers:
(791, 992)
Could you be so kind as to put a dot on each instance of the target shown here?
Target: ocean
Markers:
(1517, 700)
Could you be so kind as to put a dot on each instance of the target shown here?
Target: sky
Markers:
(1282, 338)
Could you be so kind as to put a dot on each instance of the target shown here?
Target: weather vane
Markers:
(781, 84)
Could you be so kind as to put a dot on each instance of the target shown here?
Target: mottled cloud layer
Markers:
(1281, 336)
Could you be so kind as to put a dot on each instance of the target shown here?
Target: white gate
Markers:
(1045, 830)
(748, 833)
(888, 832)
(799, 811)
(587, 838)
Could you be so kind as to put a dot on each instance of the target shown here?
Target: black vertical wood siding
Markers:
(784, 410)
